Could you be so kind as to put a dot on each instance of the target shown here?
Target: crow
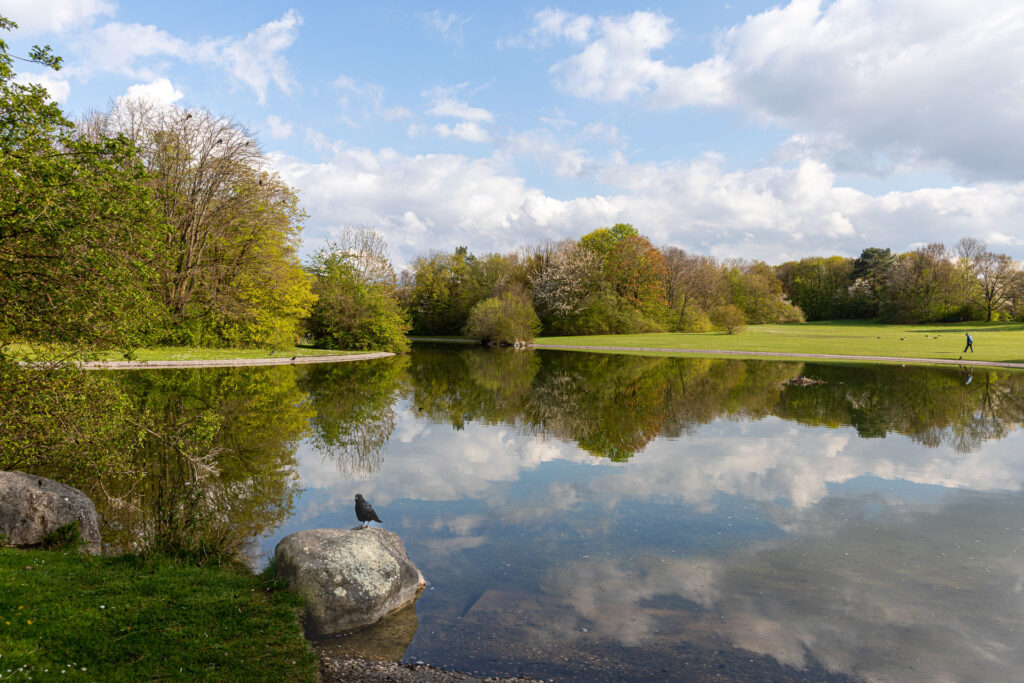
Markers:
(365, 512)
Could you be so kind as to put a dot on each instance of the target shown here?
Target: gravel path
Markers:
(775, 354)
(228, 362)
(337, 670)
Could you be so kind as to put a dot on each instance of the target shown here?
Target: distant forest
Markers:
(613, 280)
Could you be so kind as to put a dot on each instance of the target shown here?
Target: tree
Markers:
(991, 277)
(821, 287)
(507, 318)
(728, 317)
(353, 311)
(636, 271)
(919, 287)
(694, 285)
(569, 277)
(441, 289)
(77, 228)
(758, 293)
(229, 268)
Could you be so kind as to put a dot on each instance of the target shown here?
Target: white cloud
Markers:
(256, 60)
(448, 24)
(551, 24)
(141, 51)
(372, 95)
(45, 16)
(277, 128)
(117, 48)
(880, 84)
(160, 92)
(774, 213)
(467, 130)
(58, 88)
(445, 104)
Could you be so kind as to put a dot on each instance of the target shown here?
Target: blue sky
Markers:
(739, 129)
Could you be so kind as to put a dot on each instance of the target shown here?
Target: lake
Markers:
(586, 517)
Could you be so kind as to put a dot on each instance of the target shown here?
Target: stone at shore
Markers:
(350, 578)
(31, 507)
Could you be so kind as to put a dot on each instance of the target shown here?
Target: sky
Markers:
(738, 129)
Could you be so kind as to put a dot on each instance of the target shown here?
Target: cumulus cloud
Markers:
(446, 104)
(775, 212)
(141, 51)
(897, 82)
(467, 130)
(256, 60)
(278, 128)
(58, 88)
(57, 16)
(160, 92)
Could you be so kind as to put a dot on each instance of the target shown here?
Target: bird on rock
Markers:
(364, 511)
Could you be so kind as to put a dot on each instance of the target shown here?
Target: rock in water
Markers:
(350, 579)
(32, 507)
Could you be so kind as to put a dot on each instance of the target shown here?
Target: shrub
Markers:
(506, 318)
(729, 318)
(690, 319)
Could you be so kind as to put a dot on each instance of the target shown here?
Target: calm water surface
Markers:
(595, 517)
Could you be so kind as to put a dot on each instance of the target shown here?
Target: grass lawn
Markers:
(67, 615)
(992, 341)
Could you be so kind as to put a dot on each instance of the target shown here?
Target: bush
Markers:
(605, 313)
(729, 318)
(506, 318)
(690, 319)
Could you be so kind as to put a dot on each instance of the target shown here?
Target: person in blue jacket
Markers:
(970, 343)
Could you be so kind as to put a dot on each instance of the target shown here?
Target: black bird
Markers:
(365, 512)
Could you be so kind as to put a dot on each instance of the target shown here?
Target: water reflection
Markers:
(354, 412)
(218, 461)
(598, 517)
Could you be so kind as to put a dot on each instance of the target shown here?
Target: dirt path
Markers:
(229, 362)
(775, 354)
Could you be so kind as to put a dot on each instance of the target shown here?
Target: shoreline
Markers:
(228, 362)
(778, 354)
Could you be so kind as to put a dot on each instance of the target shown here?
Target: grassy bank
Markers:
(67, 615)
(992, 341)
(162, 353)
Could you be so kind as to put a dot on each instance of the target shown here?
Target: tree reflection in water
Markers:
(218, 464)
(613, 406)
(354, 411)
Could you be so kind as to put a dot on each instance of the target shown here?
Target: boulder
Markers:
(32, 507)
(350, 578)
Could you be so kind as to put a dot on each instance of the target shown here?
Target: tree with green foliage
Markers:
(78, 233)
(920, 286)
(757, 292)
(356, 307)
(821, 287)
(229, 272)
(729, 318)
(989, 278)
(694, 285)
(506, 318)
(78, 228)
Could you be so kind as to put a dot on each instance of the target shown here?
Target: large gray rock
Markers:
(32, 507)
(350, 578)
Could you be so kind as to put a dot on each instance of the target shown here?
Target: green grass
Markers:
(162, 353)
(992, 341)
(67, 615)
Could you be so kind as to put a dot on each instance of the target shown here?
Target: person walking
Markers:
(970, 343)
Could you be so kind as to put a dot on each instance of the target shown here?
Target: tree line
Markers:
(614, 280)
